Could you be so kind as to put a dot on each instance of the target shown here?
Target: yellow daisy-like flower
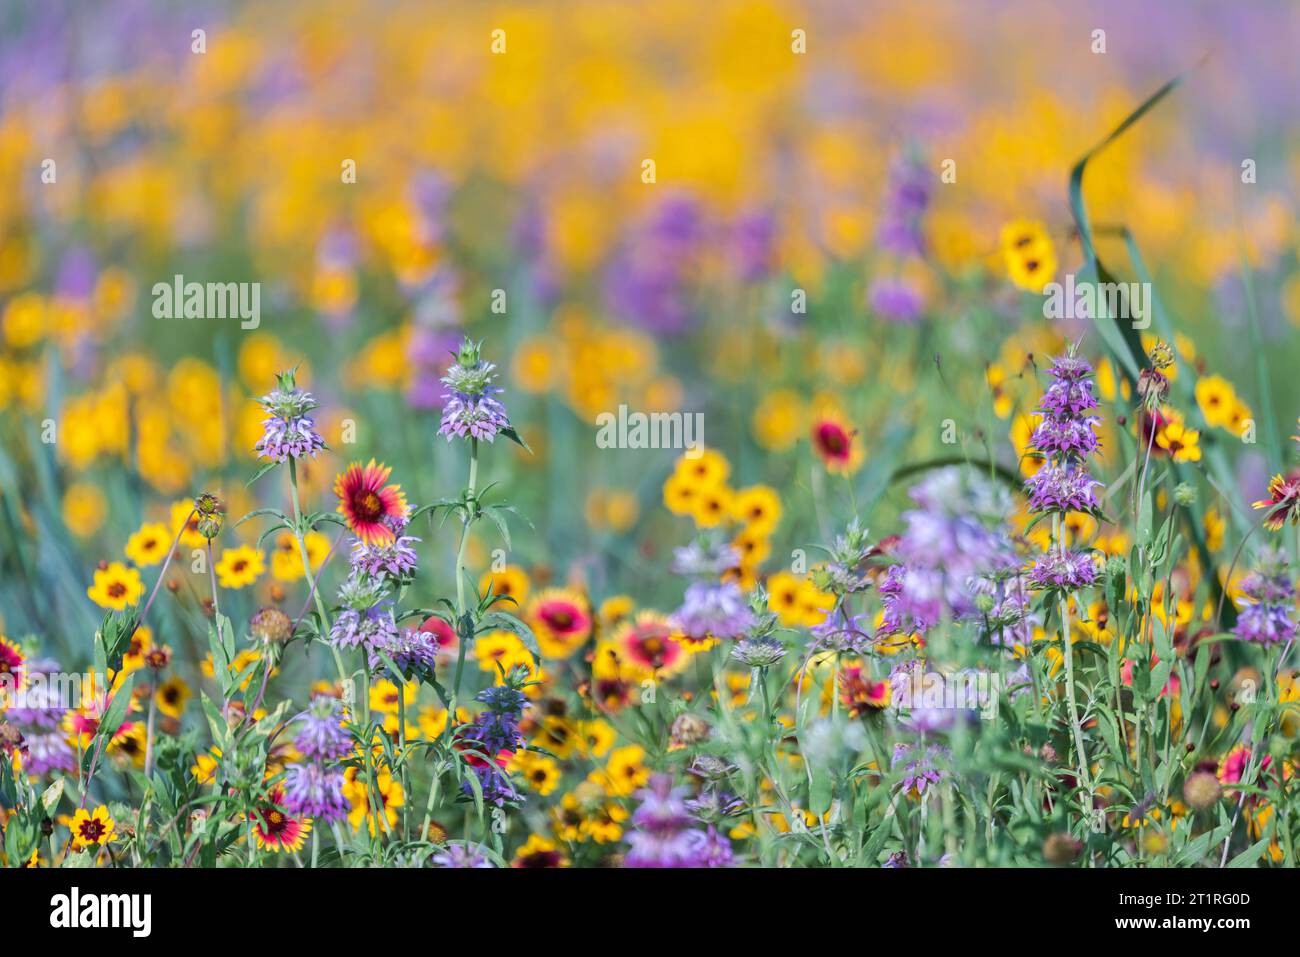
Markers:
(707, 468)
(1216, 397)
(510, 582)
(239, 567)
(149, 545)
(1180, 442)
(92, 829)
(1029, 255)
(205, 766)
(758, 508)
(539, 851)
(783, 593)
(286, 559)
(679, 494)
(84, 509)
(172, 696)
(712, 506)
(778, 421)
(501, 650)
(539, 772)
(625, 773)
(116, 586)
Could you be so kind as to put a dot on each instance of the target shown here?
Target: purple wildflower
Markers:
(369, 627)
(316, 791)
(1066, 436)
(410, 649)
(1267, 615)
(895, 300)
(713, 609)
(919, 769)
(1064, 570)
(461, 855)
(662, 835)
(397, 559)
(322, 735)
(470, 410)
(1062, 488)
(289, 432)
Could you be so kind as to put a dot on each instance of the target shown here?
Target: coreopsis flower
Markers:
(239, 567)
(288, 431)
(1029, 254)
(116, 586)
(172, 696)
(471, 409)
(539, 852)
(92, 828)
(369, 507)
(1267, 615)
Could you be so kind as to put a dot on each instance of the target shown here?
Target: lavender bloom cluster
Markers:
(1267, 616)
(663, 832)
(288, 432)
(314, 787)
(45, 744)
(366, 619)
(953, 543)
(471, 409)
(710, 608)
(496, 730)
(1066, 436)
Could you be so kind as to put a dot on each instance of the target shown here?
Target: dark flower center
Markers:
(369, 507)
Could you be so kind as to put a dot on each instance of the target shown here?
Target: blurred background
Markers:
(797, 148)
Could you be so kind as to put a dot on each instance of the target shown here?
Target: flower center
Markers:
(369, 507)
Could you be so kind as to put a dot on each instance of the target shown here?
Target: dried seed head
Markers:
(1202, 790)
(1061, 848)
(688, 729)
(270, 626)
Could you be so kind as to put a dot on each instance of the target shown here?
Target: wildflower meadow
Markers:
(731, 435)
